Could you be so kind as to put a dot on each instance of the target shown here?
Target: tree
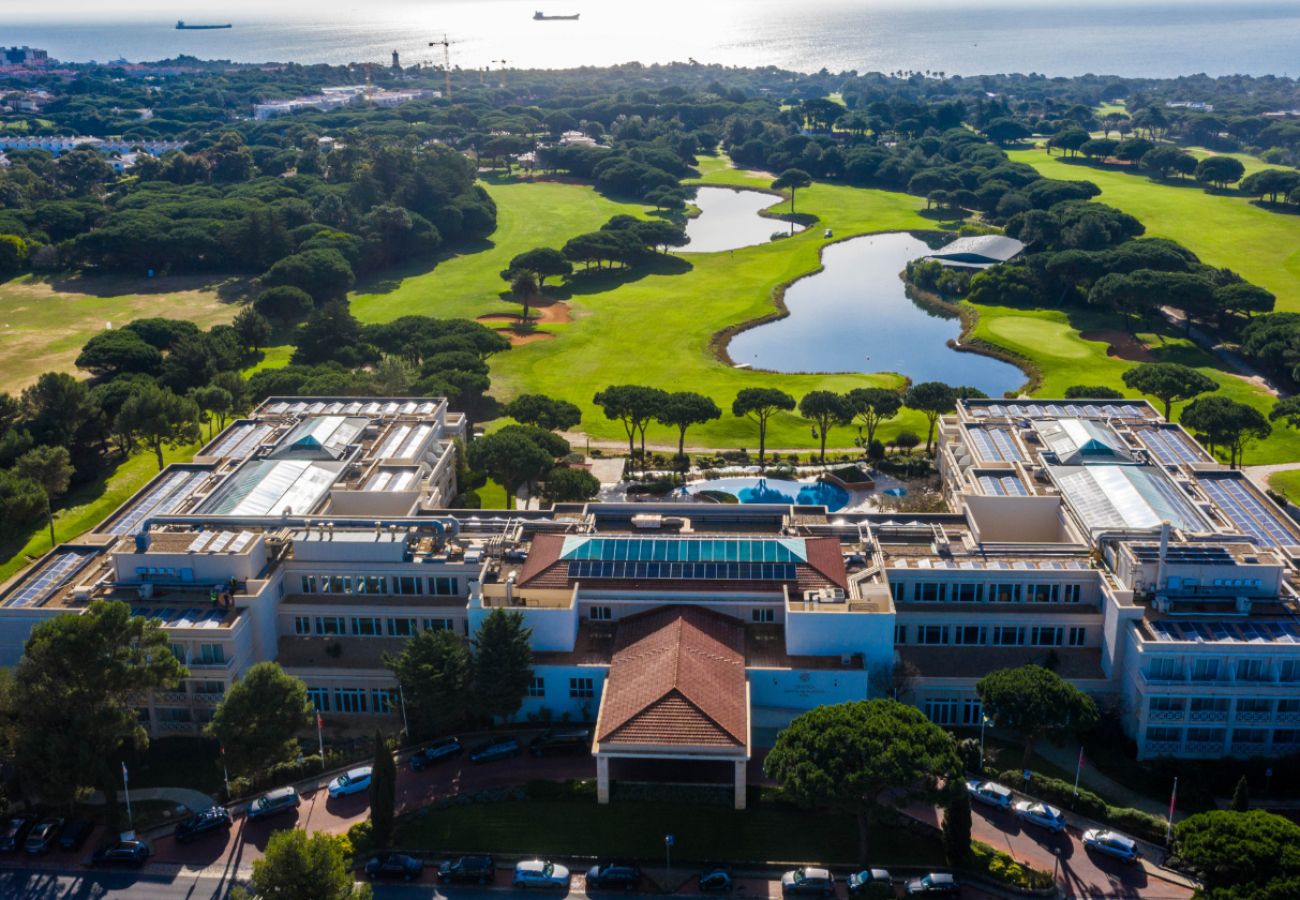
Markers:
(512, 460)
(825, 409)
(523, 286)
(258, 719)
(1288, 410)
(76, 690)
(792, 180)
(503, 663)
(284, 304)
(957, 825)
(1243, 850)
(683, 409)
(331, 332)
(434, 671)
(252, 328)
(759, 405)
(1164, 158)
(1219, 171)
(863, 758)
(324, 274)
(383, 793)
(299, 866)
(1271, 183)
(544, 412)
(1006, 131)
(214, 403)
(1092, 392)
(111, 353)
(1037, 703)
(545, 262)
(51, 468)
(569, 485)
(1169, 383)
(633, 405)
(934, 399)
(1241, 796)
(1227, 423)
(871, 406)
(158, 417)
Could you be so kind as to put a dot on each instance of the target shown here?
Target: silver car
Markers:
(1042, 815)
(990, 793)
(1112, 843)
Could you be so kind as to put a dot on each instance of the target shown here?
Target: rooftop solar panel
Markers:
(160, 500)
(784, 550)
(1247, 513)
(687, 571)
(38, 588)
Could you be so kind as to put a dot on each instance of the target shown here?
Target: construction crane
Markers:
(446, 60)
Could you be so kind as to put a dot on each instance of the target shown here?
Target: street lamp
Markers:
(668, 854)
(984, 720)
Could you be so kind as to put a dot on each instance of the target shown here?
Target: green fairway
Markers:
(1287, 484)
(1223, 230)
(43, 325)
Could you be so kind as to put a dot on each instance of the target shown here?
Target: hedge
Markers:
(1061, 793)
(1001, 867)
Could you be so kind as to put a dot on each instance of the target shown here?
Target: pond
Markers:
(777, 490)
(855, 316)
(729, 219)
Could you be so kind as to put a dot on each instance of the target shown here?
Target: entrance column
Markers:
(602, 779)
(740, 783)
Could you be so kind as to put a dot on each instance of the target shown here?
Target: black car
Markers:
(935, 884)
(480, 869)
(75, 834)
(555, 743)
(498, 748)
(436, 753)
(11, 839)
(394, 865)
(613, 875)
(716, 879)
(41, 838)
(215, 818)
(123, 853)
(871, 883)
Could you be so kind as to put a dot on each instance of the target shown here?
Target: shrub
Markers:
(362, 838)
(1061, 793)
(998, 866)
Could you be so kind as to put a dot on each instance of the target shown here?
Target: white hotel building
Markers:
(1089, 536)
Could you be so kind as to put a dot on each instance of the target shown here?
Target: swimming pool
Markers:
(777, 490)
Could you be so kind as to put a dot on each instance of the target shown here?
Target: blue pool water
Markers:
(777, 490)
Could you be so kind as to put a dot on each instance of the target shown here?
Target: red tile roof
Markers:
(677, 677)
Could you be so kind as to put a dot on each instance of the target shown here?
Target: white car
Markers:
(1111, 843)
(540, 873)
(990, 793)
(1042, 815)
(353, 781)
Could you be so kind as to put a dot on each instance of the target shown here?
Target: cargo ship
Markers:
(543, 17)
(181, 26)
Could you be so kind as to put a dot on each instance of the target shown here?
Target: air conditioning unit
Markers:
(824, 595)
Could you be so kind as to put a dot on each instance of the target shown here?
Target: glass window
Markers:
(1289, 670)
(384, 700)
(212, 654)
(1284, 736)
(1209, 704)
(1252, 670)
(1073, 593)
(601, 614)
(537, 687)
(1078, 636)
(401, 627)
(330, 625)
(930, 592)
(366, 626)
(1205, 670)
(1162, 668)
(1165, 704)
(437, 624)
(1254, 705)
(897, 590)
(763, 615)
(968, 634)
(320, 699)
(900, 634)
(1046, 636)
(309, 584)
(581, 688)
(932, 634)
(350, 700)
(1290, 705)
(1004, 593)
(408, 584)
(1044, 593)
(1249, 735)
(302, 625)
(968, 593)
(971, 712)
(1165, 735)
(1008, 635)
(942, 711)
(1205, 735)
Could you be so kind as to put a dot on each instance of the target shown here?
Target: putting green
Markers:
(1025, 334)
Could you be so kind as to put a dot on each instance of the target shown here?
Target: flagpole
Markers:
(984, 720)
(1078, 769)
(225, 773)
(1173, 799)
(320, 738)
(126, 789)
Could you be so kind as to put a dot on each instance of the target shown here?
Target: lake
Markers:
(730, 219)
(855, 316)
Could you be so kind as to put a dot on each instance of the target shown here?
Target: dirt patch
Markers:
(518, 340)
(1121, 345)
(555, 313)
(759, 173)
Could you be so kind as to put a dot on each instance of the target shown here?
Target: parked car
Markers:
(497, 748)
(554, 743)
(716, 879)
(613, 875)
(15, 833)
(41, 838)
(123, 853)
(871, 883)
(480, 869)
(436, 753)
(808, 881)
(280, 800)
(394, 865)
(353, 781)
(1042, 815)
(191, 828)
(540, 873)
(75, 833)
(935, 884)
(989, 793)
(1112, 843)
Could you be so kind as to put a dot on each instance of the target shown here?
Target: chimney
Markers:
(510, 588)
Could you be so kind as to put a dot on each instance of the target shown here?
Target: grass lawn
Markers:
(87, 506)
(1052, 340)
(1287, 484)
(272, 358)
(44, 324)
(635, 830)
(1222, 229)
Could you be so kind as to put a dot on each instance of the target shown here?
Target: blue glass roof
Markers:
(682, 549)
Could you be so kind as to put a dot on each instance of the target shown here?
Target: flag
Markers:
(320, 723)
(1173, 801)
(1080, 757)
(126, 778)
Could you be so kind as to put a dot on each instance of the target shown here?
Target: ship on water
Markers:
(543, 17)
(181, 26)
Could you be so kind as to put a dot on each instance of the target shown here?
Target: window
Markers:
(302, 624)
(604, 614)
(581, 688)
(1004, 593)
(537, 687)
(401, 627)
(1073, 593)
(372, 584)
(1165, 735)
(1162, 668)
(408, 584)
(1209, 704)
(1205, 735)
(1252, 670)
(350, 700)
(1249, 736)
(900, 634)
(930, 592)
(763, 615)
(1165, 704)
(336, 584)
(1008, 635)
(366, 626)
(1290, 705)
(932, 634)
(1044, 593)
(968, 634)
(1205, 670)
(1254, 705)
(1286, 737)
(172, 714)
(330, 625)
(971, 711)
(445, 586)
(942, 711)
(178, 651)
(1045, 636)
(320, 699)
(437, 624)
(968, 593)
(384, 700)
(309, 584)
(1289, 670)
(212, 654)
(897, 590)
(1078, 636)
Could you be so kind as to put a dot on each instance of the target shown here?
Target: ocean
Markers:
(1156, 38)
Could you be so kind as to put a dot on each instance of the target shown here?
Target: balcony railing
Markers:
(1249, 748)
(1288, 717)
(1208, 715)
(1210, 748)
(1161, 748)
(171, 698)
(1254, 716)
(212, 697)
(177, 727)
(211, 663)
(1167, 715)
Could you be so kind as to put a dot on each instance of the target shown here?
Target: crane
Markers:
(446, 60)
